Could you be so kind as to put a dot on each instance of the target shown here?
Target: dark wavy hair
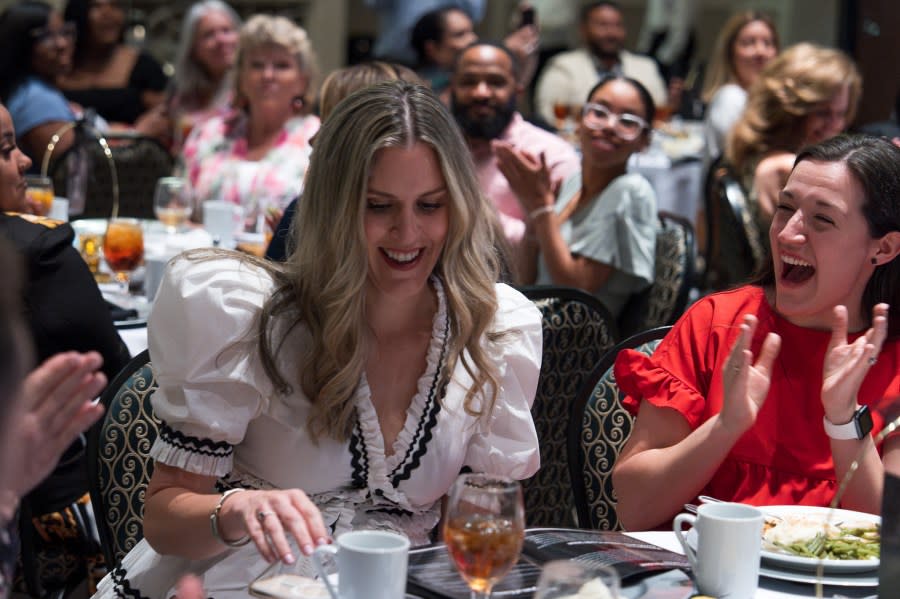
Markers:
(77, 12)
(875, 163)
(17, 43)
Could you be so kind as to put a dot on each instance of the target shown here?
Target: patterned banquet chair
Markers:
(598, 430)
(578, 330)
(139, 162)
(665, 300)
(735, 248)
(119, 466)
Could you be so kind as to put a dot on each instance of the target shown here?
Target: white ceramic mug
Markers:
(371, 565)
(725, 559)
(223, 220)
(59, 209)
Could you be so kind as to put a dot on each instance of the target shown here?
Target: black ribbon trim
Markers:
(123, 585)
(206, 447)
(419, 445)
(359, 459)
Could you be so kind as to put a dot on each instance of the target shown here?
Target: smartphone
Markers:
(289, 586)
(527, 16)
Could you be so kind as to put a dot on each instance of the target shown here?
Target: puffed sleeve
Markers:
(203, 350)
(506, 442)
(679, 372)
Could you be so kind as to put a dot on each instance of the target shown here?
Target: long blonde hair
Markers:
(791, 87)
(721, 68)
(323, 283)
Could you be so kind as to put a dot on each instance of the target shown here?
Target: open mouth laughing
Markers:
(796, 271)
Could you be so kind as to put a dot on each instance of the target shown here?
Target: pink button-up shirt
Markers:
(560, 155)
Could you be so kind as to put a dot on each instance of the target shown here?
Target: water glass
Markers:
(172, 202)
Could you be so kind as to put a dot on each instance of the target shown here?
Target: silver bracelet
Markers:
(214, 520)
(539, 211)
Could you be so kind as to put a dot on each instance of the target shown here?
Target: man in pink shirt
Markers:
(483, 94)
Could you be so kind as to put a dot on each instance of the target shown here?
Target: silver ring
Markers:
(261, 516)
(872, 360)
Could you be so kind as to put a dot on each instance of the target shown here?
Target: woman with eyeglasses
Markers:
(35, 48)
(596, 230)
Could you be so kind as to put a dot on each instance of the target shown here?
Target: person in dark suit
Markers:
(63, 311)
(42, 409)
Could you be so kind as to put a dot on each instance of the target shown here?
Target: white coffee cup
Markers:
(371, 565)
(725, 560)
(59, 209)
(222, 220)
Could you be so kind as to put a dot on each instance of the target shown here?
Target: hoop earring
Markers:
(297, 103)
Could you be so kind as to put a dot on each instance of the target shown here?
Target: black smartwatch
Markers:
(858, 427)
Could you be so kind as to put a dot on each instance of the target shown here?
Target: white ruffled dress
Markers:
(223, 418)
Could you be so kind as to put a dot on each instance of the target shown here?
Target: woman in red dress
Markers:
(761, 394)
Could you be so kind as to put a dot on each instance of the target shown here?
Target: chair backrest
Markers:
(664, 300)
(597, 431)
(578, 330)
(119, 465)
(734, 247)
(139, 161)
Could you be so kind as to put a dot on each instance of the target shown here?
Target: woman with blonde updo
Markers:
(806, 95)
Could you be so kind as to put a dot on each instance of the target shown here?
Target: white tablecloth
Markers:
(678, 185)
(768, 588)
(135, 339)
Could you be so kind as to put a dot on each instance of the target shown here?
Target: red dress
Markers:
(785, 458)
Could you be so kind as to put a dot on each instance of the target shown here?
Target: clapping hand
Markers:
(746, 383)
(846, 364)
(528, 176)
(54, 406)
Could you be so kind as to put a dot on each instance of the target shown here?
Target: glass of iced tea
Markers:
(123, 247)
(172, 202)
(484, 528)
(39, 194)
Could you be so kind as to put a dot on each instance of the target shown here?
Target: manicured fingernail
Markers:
(288, 558)
(307, 549)
(321, 541)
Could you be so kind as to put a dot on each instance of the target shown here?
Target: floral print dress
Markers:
(214, 161)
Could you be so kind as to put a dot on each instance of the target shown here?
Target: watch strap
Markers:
(857, 428)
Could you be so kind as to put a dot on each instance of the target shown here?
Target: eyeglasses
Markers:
(626, 125)
(47, 36)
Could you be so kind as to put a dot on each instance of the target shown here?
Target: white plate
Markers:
(855, 579)
(809, 564)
